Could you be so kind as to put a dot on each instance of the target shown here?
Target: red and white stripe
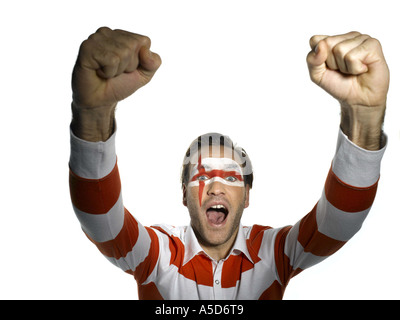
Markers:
(216, 169)
(168, 262)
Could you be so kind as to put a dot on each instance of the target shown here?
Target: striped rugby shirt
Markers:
(168, 262)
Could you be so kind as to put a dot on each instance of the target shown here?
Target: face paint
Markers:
(208, 170)
(201, 170)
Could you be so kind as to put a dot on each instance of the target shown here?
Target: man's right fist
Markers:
(111, 65)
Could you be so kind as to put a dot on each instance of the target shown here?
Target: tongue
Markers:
(215, 217)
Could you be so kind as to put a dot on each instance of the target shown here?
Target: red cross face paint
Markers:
(209, 170)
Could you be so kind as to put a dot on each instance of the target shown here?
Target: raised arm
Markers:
(111, 65)
(351, 67)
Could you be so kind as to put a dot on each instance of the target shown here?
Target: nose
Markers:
(215, 188)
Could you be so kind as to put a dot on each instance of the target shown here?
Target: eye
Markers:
(202, 178)
(231, 179)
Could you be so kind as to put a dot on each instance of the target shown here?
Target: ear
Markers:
(184, 200)
(247, 201)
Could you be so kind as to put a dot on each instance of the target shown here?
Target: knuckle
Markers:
(313, 41)
(349, 59)
(86, 46)
(103, 30)
(124, 53)
(137, 42)
(94, 37)
(85, 43)
(98, 36)
(113, 58)
(330, 42)
(339, 50)
(145, 41)
(354, 33)
(364, 37)
(375, 42)
(124, 50)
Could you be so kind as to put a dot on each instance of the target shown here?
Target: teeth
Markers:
(218, 206)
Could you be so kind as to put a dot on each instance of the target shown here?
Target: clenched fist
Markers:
(352, 68)
(111, 65)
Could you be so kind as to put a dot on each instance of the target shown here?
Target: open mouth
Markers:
(217, 214)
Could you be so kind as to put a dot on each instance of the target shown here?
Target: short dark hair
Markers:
(217, 139)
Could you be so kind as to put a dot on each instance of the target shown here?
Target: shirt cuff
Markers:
(92, 160)
(356, 166)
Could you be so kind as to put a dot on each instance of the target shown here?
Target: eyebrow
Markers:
(232, 166)
(226, 167)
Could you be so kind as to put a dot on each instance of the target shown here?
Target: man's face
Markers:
(215, 196)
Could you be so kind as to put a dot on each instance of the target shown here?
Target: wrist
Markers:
(363, 125)
(93, 124)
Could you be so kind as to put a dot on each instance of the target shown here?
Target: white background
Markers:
(236, 67)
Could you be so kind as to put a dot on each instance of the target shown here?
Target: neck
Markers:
(218, 251)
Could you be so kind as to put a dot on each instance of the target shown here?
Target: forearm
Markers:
(363, 125)
(96, 196)
(346, 200)
(93, 124)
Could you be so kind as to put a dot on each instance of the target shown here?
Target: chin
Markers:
(216, 236)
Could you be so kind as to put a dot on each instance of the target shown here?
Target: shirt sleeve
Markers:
(95, 189)
(347, 197)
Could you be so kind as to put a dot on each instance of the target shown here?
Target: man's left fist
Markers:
(351, 67)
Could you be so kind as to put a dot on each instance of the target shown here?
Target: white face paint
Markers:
(223, 170)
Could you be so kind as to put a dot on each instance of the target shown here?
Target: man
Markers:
(216, 257)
